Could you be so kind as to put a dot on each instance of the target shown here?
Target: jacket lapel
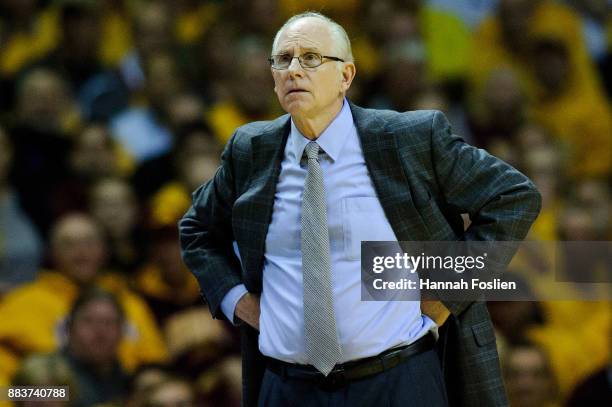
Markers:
(383, 161)
(267, 153)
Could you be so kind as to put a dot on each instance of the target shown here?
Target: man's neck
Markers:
(312, 127)
(103, 368)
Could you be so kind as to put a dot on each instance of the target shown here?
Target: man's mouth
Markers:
(296, 91)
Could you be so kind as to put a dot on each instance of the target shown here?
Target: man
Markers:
(298, 223)
(88, 364)
(95, 328)
(34, 315)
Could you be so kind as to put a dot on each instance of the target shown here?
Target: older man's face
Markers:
(303, 92)
(77, 248)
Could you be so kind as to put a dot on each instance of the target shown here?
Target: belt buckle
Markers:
(334, 381)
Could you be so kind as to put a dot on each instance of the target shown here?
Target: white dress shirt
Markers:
(365, 328)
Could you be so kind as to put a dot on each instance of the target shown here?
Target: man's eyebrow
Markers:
(303, 49)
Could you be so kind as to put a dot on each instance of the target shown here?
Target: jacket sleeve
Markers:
(502, 202)
(206, 236)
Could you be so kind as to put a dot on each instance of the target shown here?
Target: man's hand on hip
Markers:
(435, 310)
(248, 309)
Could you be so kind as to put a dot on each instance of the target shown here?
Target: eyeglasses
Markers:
(306, 60)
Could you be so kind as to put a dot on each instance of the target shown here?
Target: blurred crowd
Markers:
(113, 111)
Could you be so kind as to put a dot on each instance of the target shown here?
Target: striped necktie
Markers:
(322, 346)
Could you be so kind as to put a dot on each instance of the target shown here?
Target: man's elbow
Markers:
(188, 227)
(533, 201)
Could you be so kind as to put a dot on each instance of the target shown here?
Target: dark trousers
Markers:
(413, 383)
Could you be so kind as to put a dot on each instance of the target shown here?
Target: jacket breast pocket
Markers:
(363, 219)
(483, 333)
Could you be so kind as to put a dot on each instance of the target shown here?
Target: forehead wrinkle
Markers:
(302, 49)
(300, 42)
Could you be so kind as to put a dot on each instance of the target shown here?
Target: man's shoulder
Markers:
(246, 132)
(413, 120)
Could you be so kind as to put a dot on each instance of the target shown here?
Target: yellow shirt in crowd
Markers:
(34, 317)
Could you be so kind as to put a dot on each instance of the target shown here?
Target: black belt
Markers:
(347, 372)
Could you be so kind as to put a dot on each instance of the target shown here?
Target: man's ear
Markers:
(348, 74)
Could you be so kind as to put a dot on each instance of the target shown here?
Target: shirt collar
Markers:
(333, 137)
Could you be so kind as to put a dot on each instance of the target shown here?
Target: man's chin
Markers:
(83, 277)
(295, 107)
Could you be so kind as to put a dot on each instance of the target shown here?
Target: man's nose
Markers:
(294, 67)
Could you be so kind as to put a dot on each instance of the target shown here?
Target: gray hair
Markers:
(343, 43)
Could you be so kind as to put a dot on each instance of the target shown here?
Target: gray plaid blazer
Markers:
(424, 176)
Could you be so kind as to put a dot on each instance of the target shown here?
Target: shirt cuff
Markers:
(229, 302)
(432, 326)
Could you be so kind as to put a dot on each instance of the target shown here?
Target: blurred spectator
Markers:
(443, 39)
(577, 223)
(512, 319)
(334, 9)
(529, 378)
(143, 130)
(250, 96)
(173, 392)
(76, 56)
(403, 78)
(506, 150)
(471, 12)
(30, 32)
(197, 169)
(447, 41)
(40, 141)
(184, 109)
(112, 91)
(498, 110)
(595, 15)
(262, 17)
(115, 31)
(34, 315)
(193, 19)
(596, 22)
(114, 206)
(222, 383)
(103, 96)
(143, 380)
(95, 328)
(152, 33)
(92, 157)
(195, 342)
(586, 324)
(88, 364)
(20, 244)
(212, 57)
(193, 140)
(579, 118)
(506, 40)
(164, 281)
(582, 263)
(194, 163)
(595, 197)
(44, 370)
(543, 161)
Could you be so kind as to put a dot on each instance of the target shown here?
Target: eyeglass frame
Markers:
(299, 58)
